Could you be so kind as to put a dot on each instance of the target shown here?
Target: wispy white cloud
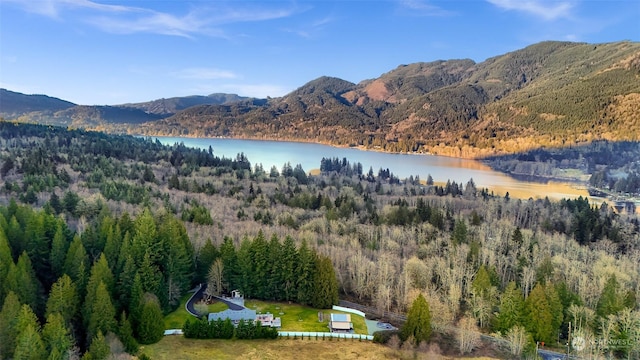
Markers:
(206, 18)
(53, 8)
(572, 37)
(156, 23)
(423, 8)
(310, 30)
(204, 74)
(545, 9)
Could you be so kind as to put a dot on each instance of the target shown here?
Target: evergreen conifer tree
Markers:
(151, 327)
(609, 301)
(63, 299)
(99, 349)
(8, 325)
(511, 309)
(102, 315)
(59, 247)
(125, 333)
(418, 324)
(56, 336)
(538, 315)
(325, 292)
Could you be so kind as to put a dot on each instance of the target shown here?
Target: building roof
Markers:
(341, 317)
(234, 315)
(341, 325)
(263, 317)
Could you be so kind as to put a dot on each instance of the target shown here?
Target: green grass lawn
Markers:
(217, 307)
(297, 317)
(176, 319)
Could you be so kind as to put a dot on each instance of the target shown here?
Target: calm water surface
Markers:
(441, 168)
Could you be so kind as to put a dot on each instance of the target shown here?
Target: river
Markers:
(441, 168)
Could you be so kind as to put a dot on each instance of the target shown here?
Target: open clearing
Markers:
(294, 317)
(297, 317)
(179, 348)
(176, 319)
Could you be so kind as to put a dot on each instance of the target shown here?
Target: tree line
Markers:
(269, 270)
(224, 329)
(121, 274)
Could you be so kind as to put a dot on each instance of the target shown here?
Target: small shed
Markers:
(236, 298)
(269, 320)
(341, 323)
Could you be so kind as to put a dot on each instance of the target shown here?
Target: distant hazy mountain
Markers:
(172, 105)
(52, 111)
(14, 103)
(547, 94)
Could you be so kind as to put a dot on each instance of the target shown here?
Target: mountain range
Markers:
(549, 94)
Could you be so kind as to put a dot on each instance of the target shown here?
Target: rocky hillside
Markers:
(547, 94)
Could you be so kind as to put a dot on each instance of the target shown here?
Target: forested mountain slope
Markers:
(172, 105)
(550, 94)
(14, 104)
(42, 109)
(115, 213)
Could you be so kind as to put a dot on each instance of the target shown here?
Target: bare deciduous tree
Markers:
(467, 334)
(517, 337)
(214, 279)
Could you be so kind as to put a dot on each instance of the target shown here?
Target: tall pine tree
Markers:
(305, 274)
(100, 274)
(151, 326)
(56, 336)
(206, 256)
(29, 344)
(102, 316)
(610, 302)
(59, 247)
(538, 315)
(325, 292)
(5, 263)
(418, 324)
(9, 325)
(287, 265)
(76, 265)
(22, 280)
(63, 299)
(511, 309)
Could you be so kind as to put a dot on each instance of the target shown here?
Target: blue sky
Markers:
(113, 52)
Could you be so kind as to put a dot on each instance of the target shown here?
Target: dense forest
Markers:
(87, 215)
(609, 166)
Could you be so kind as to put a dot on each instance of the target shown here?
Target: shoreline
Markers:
(326, 143)
(575, 183)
